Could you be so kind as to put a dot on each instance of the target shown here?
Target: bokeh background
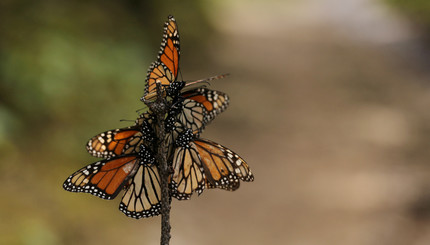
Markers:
(329, 106)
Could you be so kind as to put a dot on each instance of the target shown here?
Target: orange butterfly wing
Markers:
(114, 142)
(200, 164)
(165, 69)
(188, 176)
(143, 195)
(105, 178)
(121, 141)
(223, 168)
(201, 106)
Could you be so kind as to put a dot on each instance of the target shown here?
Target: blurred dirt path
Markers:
(330, 108)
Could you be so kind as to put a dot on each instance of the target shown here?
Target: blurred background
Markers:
(329, 106)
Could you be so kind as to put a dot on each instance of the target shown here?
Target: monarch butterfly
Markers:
(198, 108)
(165, 69)
(200, 163)
(124, 140)
(136, 173)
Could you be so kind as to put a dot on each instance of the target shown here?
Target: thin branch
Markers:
(160, 107)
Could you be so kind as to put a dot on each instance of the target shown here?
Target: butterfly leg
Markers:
(160, 104)
(171, 169)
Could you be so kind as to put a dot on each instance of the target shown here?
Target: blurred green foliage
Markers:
(417, 10)
(65, 63)
(69, 70)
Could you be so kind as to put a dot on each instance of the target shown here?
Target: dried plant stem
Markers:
(160, 108)
(164, 175)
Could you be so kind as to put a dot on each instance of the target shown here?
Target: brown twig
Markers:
(160, 107)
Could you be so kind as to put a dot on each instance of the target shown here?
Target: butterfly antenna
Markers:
(208, 80)
(141, 109)
(126, 120)
(180, 73)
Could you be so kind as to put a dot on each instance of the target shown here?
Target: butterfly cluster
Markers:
(128, 161)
